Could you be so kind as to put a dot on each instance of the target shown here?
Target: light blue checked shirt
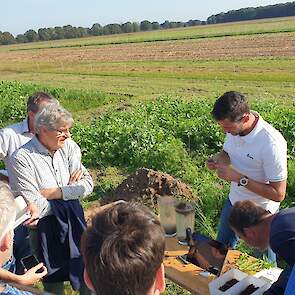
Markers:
(33, 168)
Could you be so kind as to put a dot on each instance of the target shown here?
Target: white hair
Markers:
(52, 116)
(7, 210)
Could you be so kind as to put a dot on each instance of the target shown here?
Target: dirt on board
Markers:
(145, 186)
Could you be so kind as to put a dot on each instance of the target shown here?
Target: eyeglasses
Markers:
(60, 132)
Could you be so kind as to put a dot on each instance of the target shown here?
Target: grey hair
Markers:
(36, 101)
(7, 210)
(51, 117)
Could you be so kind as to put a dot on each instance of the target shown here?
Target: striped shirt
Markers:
(33, 168)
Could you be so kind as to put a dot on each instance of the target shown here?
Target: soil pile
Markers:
(145, 186)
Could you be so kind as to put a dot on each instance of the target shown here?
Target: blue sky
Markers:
(18, 16)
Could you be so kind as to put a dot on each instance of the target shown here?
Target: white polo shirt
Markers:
(260, 155)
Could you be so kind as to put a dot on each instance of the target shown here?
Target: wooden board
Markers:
(173, 248)
(188, 275)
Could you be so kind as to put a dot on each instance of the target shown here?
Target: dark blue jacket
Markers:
(59, 242)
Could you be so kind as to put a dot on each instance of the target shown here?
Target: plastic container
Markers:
(260, 283)
(166, 206)
(271, 274)
(223, 279)
(185, 218)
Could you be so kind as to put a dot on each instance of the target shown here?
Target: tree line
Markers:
(269, 11)
(69, 32)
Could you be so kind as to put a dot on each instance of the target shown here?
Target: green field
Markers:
(144, 99)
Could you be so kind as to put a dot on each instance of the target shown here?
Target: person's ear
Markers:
(160, 280)
(245, 118)
(87, 281)
(5, 242)
(31, 115)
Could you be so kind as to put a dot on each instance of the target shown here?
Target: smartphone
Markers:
(30, 261)
(184, 259)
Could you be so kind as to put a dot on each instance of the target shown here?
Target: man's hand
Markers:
(31, 276)
(221, 158)
(227, 173)
(75, 176)
(51, 193)
(33, 211)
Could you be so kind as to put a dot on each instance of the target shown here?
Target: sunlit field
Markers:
(144, 99)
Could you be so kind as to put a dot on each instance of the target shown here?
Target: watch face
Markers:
(244, 181)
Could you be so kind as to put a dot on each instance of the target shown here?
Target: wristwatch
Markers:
(243, 181)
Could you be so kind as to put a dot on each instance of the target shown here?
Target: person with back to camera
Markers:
(253, 160)
(123, 251)
(7, 218)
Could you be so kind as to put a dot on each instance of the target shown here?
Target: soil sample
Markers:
(249, 290)
(228, 285)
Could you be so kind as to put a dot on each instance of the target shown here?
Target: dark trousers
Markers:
(55, 288)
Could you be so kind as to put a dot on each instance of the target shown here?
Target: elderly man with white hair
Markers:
(48, 172)
(7, 219)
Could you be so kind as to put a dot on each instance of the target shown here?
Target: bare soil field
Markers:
(264, 45)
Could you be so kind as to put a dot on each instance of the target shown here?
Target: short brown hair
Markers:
(123, 249)
(245, 214)
(231, 105)
(36, 99)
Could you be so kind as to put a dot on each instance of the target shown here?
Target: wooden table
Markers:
(188, 275)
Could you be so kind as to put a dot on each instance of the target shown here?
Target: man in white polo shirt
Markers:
(253, 159)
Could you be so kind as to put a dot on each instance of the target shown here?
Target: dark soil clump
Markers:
(145, 185)
(249, 290)
(228, 285)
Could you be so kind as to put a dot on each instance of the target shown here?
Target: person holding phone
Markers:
(7, 218)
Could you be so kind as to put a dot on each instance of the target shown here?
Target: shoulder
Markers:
(271, 135)
(12, 130)
(71, 147)
(22, 152)
(8, 131)
(284, 221)
(71, 144)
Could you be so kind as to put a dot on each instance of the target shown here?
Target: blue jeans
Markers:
(228, 237)
(21, 247)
